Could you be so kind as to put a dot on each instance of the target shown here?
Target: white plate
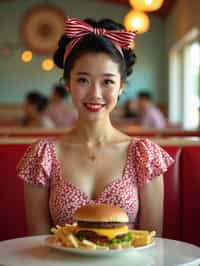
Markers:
(100, 252)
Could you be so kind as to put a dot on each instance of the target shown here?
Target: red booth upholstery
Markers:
(12, 221)
(172, 202)
(191, 194)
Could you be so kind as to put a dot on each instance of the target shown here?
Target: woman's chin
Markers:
(93, 117)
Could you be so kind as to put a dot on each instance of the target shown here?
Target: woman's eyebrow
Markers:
(82, 73)
(103, 74)
(109, 74)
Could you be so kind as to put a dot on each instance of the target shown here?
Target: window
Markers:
(184, 93)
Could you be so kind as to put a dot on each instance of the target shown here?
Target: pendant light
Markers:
(146, 5)
(137, 21)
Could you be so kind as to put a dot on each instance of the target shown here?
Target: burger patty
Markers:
(100, 224)
(90, 235)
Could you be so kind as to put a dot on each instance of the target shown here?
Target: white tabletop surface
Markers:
(31, 251)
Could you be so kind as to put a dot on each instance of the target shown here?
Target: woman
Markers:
(94, 162)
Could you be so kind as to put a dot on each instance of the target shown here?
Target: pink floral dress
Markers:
(39, 166)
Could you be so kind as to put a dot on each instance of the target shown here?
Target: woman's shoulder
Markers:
(145, 150)
(144, 144)
(42, 143)
(37, 162)
(42, 148)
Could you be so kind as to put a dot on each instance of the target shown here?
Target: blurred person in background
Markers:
(149, 115)
(131, 109)
(58, 110)
(34, 108)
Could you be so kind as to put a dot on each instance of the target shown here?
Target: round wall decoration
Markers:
(42, 27)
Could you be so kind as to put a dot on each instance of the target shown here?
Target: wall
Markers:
(183, 17)
(16, 78)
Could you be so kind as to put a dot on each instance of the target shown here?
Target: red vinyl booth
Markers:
(191, 194)
(172, 199)
(12, 222)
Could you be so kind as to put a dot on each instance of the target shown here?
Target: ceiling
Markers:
(162, 12)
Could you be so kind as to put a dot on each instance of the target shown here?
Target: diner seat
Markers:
(172, 199)
(191, 194)
(12, 221)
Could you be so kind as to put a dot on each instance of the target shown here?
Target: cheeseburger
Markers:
(102, 224)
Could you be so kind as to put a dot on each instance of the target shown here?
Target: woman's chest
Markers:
(92, 170)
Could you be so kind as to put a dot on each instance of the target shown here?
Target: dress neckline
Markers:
(106, 187)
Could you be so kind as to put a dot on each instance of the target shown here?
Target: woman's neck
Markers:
(94, 132)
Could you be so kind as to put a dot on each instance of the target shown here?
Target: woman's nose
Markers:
(95, 90)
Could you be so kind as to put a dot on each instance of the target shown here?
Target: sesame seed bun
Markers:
(101, 213)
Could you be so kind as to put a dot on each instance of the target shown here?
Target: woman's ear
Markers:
(67, 87)
(121, 89)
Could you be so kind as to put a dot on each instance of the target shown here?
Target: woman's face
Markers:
(95, 84)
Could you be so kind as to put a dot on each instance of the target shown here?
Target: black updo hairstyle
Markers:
(92, 43)
(39, 101)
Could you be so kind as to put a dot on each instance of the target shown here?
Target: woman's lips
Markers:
(94, 107)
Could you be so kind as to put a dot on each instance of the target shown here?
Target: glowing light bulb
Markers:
(146, 5)
(148, 2)
(47, 64)
(26, 56)
(137, 21)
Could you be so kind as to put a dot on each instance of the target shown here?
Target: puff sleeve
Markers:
(35, 166)
(150, 161)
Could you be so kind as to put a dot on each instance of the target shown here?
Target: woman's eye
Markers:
(108, 82)
(82, 80)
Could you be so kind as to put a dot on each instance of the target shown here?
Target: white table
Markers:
(31, 251)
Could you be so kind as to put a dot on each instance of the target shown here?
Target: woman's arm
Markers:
(151, 205)
(37, 209)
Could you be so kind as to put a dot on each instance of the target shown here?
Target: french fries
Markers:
(141, 237)
(73, 240)
(64, 236)
(88, 244)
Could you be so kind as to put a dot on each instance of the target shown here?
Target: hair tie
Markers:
(76, 29)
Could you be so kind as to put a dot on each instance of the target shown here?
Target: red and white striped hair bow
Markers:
(76, 29)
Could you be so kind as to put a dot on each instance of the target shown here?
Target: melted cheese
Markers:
(110, 233)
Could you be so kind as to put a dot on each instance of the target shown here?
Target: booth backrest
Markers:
(18, 132)
(191, 194)
(12, 220)
(130, 130)
(181, 184)
(172, 196)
